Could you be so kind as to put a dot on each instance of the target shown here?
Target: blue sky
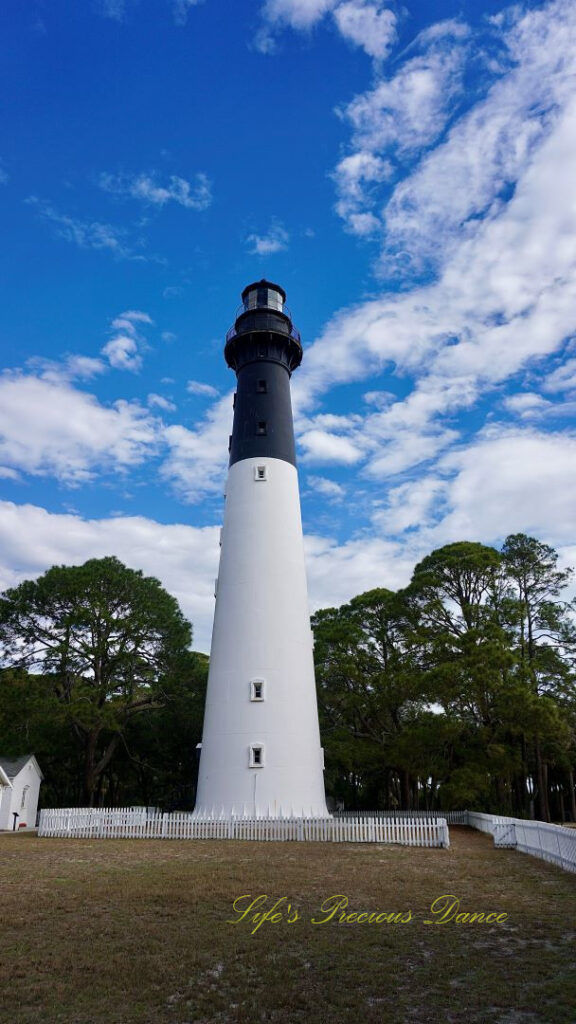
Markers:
(406, 172)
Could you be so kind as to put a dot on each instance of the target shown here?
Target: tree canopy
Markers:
(102, 643)
(458, 690)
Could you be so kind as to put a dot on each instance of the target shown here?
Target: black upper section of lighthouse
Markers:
(263, 347)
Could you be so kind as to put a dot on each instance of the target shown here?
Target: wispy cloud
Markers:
(196, 387)
(563, 378)
(86, 234)
(160, 402)
(181, 9)
(125, 347)
(504, 290)
(327, 488)
(355, 177)
(70, 368)
(192, 195)
(275, 240)
(369, 24)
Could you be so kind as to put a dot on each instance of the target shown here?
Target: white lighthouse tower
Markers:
(261, 753)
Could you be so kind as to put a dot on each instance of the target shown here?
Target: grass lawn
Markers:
(137, 932)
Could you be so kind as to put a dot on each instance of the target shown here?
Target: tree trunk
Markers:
(572, 793)
(90, 776)
(543, 810)
(93, 767)
(405, 790)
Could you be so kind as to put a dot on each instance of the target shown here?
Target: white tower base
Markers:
(261, 753)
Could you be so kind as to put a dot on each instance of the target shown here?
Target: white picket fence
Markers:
(114, 823)
(548, 842)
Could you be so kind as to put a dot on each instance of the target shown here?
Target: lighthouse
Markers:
(261, 753)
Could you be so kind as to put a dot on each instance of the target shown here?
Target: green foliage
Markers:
(459, 690)
(104, 642)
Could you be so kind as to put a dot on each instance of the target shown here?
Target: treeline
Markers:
(458, 691)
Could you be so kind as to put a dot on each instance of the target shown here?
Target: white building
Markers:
(20, 779)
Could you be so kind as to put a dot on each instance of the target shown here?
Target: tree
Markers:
(463, 639)
(368, 691)
(544, 623)
(458, 594)
(544, 633)
(105, 640)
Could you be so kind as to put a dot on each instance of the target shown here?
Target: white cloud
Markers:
(527, 404)
(399, 117)
(371, 26)
(380, 399)
(338, 572)
(452, 27)
(408, 111)
(196, 195)
(322, 446)
(410, 505)
(196, 465)
(327, 488)
(86, 234)
(563, 378)
(469, 174)
(410, 448)
(353, 176)
(504, 297)
(123, 351)
(84, 367)
(183, 558)
(490, 148)
(71, 367)
(511, 480)
(196, 387)
(48, 428)
(159, 402)
(276, 240)
(298, 14)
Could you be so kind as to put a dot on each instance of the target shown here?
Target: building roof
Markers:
(12, 766)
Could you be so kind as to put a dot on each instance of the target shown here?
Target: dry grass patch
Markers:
(137, 932)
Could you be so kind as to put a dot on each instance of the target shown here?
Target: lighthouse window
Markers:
(261, 387)
(256, 756)
(261, 428)
(260, 472)
(257, 689)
